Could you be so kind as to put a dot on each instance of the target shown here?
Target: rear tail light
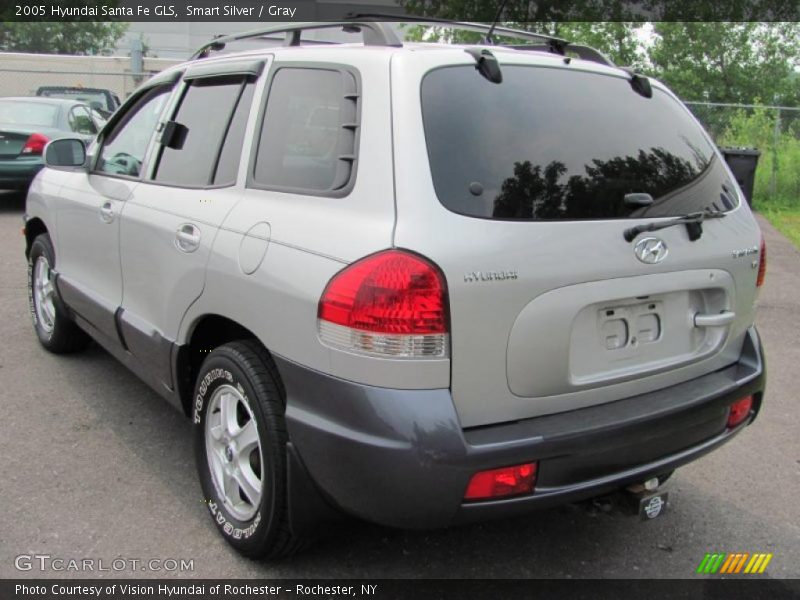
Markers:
(739, 411)
(393, 304)
(762, 264)
(498, 483)
(35, 144)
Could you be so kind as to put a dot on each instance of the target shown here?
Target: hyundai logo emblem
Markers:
(650, 250)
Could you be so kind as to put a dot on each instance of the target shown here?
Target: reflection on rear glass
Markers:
(563, 144)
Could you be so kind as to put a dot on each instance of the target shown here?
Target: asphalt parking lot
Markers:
(95, 465)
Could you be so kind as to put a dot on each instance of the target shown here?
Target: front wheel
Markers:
(240, 449)
(54, 327)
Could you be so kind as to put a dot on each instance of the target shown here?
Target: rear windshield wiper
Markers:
(693, 222)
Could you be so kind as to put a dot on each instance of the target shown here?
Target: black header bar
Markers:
(517, 11)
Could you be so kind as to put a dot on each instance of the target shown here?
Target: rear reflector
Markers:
(740, 410)
(498, 483)
(35, 144)
(393, 303)
(762, 264)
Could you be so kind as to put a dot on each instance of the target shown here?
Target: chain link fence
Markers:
(22, 74)
(19, 82)
(772, 130)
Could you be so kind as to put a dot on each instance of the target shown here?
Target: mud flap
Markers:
(307, 508)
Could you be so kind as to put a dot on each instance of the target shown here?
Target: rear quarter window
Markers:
(308, 140)
(559, 144)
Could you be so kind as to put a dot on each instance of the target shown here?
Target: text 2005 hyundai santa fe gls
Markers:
(420, 284)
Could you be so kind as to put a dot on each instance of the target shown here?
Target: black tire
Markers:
(62, 335)
(246, 366)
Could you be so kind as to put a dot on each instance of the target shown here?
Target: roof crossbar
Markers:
(374, 34)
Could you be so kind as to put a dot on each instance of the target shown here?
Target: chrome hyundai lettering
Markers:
(473, 276)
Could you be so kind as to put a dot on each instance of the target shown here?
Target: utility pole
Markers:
(773, 180)
(137, 60)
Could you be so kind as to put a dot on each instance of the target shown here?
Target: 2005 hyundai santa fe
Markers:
(421, 284)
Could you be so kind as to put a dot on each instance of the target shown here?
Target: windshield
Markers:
(97, 100)
(25, 113)
(556, 144)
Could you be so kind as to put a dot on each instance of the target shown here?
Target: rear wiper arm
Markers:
(693, 222)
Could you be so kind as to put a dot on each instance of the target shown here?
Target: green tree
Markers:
(522, 11)
(728, 62)
(778, 173)
(706, 59)
(617, 40)
(61, 37)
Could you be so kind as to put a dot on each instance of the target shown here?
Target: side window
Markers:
(210, 109)
(228, 165)
(80, 121)
(309, 133)
(124, 148)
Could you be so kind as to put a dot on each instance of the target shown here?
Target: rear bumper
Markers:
(18, 174)
(400, 457)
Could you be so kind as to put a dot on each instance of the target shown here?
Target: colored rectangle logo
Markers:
(734, 563)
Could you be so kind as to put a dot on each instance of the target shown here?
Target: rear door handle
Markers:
(187, 238)
(714, 320)
(107, 212)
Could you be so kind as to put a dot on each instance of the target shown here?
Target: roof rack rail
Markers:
(374, 33)
(553, 44)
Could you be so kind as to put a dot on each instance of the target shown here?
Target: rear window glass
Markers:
(554, 144)
(28, 113)
(92, 98)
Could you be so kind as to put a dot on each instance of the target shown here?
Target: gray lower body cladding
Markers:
(400, 457)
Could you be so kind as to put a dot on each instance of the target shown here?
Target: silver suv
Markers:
(422, 284)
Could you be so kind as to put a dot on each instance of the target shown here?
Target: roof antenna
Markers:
(488, 39)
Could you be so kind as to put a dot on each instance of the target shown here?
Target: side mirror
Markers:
(66, 152)
(174, 135)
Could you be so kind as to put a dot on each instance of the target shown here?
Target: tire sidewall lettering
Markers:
(41, 331)
(208, 384)
(228, 528)
(205, 385)
(31, 304)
